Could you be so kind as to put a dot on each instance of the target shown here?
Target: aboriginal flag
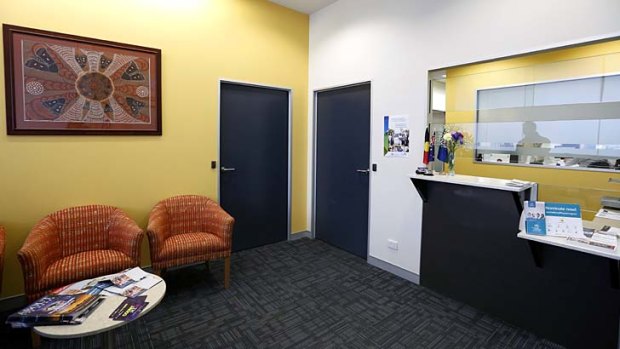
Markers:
(427, 145)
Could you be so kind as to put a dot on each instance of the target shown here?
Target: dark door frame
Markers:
(289, 136)
(314, 146)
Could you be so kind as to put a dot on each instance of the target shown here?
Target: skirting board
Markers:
(300, 235)
(391, 268)
(13, 303)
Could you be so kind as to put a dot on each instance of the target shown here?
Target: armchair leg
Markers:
(227, 272)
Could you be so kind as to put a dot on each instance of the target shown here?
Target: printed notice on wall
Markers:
(396, 136)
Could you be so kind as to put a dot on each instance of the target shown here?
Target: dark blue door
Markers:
(342, 167)
(254, 162)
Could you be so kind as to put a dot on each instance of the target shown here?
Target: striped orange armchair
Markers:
(78, 243)
(189, 229)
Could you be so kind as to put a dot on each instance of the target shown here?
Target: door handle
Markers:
(227, 169)
(363, 171)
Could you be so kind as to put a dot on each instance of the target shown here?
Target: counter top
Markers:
(572, 245)
(474, 181)
(597, 223)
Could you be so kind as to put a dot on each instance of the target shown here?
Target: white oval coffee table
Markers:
(99, 321)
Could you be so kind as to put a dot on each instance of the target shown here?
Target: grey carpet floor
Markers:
(304, 294)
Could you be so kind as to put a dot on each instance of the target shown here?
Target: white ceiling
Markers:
(305, 6)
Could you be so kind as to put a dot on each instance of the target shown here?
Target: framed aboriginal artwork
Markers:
(65, 84)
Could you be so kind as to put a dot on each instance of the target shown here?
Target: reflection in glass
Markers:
(533, 148)
(568, 123)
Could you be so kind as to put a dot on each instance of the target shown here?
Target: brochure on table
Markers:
(129, 283)
(129, 309)
(563, 221)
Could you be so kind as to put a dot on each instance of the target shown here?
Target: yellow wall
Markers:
(563, 185)
(201, 42)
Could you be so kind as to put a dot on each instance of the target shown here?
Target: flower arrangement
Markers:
(451, 141)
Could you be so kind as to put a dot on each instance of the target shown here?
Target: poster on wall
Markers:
(396, 136)
(64, 84)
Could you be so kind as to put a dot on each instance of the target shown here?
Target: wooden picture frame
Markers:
(60, 84)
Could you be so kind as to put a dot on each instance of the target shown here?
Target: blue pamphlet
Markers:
(535, 217)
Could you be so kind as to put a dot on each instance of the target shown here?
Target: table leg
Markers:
(109, 340)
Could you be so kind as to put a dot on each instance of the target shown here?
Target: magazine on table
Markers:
(129, 309)
(55, 310)
(128, 277)
(123, 283)
(84, 286)
(74, 288)
(136, 288)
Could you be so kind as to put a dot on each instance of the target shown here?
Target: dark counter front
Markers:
(470, 252)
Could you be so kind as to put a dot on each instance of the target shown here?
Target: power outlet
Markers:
(393, 244)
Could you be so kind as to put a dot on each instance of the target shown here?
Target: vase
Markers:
(451, 160)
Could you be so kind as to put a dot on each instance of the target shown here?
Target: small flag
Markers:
(442, 152)
(426, 145)
(431, 149)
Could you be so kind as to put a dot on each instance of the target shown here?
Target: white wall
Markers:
(395, 42)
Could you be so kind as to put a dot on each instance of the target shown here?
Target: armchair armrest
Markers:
(2, 239)
(220, 223)
(40, 250)
(125, 235)
(157, 230)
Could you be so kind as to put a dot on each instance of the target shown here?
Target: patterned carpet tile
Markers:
(307, 294)
(303, 294)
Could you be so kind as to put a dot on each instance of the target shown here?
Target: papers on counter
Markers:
(597, 238)
(518, 183)
(610, 230)
(564, 221)
(608, 214)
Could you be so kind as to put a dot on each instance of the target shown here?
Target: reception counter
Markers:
(471, 253)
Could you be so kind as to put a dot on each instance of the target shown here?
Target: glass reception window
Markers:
(570, 123)
(550, 117)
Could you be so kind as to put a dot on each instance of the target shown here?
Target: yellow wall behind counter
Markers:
(563, 185)
(201, 42)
